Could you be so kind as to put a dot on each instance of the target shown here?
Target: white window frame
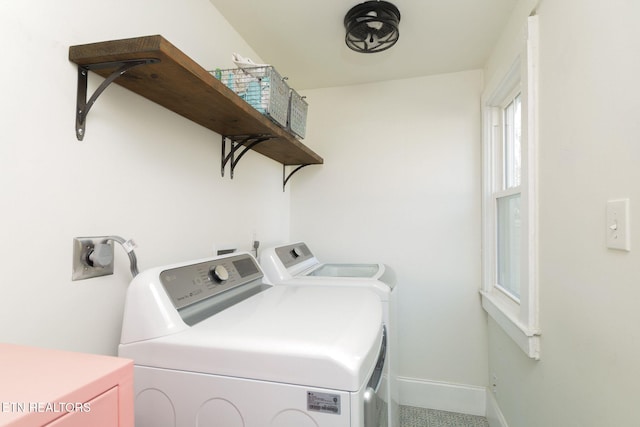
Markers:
(519, 319)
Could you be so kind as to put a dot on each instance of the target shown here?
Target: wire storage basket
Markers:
(297, 120)
(261, 87)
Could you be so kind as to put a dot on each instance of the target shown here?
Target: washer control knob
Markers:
(296, 252)
(218, 273)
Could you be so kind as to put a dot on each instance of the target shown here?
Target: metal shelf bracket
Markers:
(238, 142)
(286, 178)
(82, 105)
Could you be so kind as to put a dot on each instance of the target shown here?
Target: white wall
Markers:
(142, 172)
(589, 153)
(400, 185)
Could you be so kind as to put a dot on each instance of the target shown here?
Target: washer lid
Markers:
(347, 270)
(294, 261)
(320, 337)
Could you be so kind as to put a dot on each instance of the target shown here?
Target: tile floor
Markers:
(420, 417)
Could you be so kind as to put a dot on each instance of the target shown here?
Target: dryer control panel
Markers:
(190, 284)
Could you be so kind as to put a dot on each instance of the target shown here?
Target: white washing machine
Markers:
(295, 264)
(213, 345)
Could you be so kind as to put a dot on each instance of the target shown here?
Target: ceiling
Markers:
(304, 39)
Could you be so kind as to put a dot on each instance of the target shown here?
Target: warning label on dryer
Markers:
(323, 402)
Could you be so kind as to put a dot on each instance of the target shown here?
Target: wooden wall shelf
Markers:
(179, 84)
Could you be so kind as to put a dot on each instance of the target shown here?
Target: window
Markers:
(508, 238)
(507, 196)
(510, 288)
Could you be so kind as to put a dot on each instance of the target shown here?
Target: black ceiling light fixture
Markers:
(372, 26)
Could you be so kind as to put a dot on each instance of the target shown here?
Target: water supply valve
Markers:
(101, 255)
(93, 256)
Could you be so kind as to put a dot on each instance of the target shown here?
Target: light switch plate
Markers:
(618, 236)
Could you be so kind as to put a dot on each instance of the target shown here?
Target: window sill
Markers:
(506, 314)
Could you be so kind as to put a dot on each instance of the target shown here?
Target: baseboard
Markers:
(494, 414)
(464, 399)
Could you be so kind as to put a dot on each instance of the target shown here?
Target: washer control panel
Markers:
(291, 255)
(190, 284)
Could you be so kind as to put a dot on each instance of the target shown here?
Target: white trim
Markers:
(443, 396)
(530, 315)
(509, 84)
(519, 320)
(494, 414)
(505, 315)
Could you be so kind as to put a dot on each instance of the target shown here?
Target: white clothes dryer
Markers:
(212, 344)
(295, 264)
